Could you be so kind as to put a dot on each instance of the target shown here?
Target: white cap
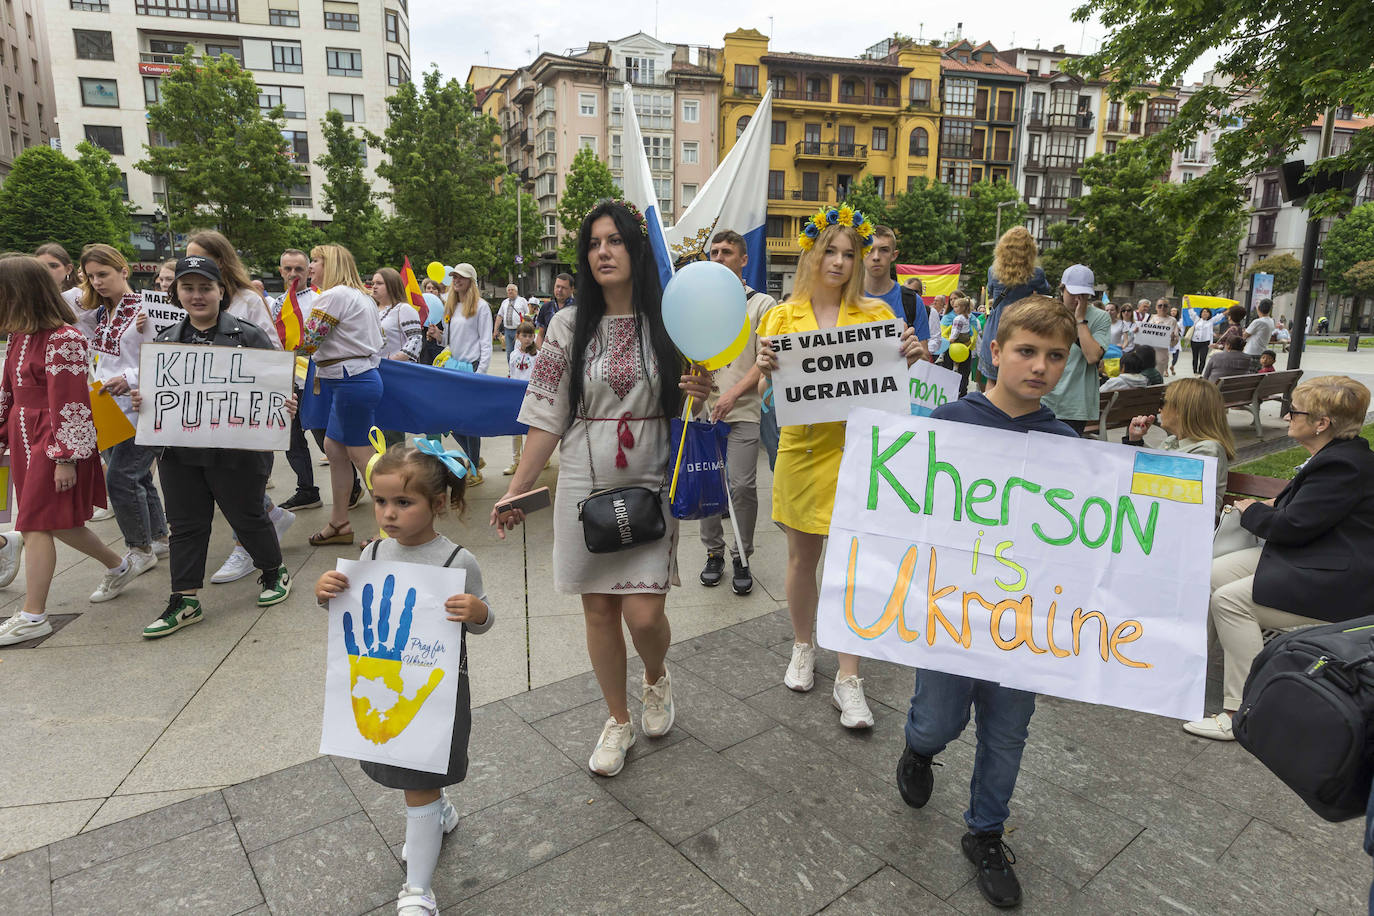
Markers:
(1078, 280)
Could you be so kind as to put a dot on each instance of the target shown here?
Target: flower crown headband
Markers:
(844, 215)
(634, 211)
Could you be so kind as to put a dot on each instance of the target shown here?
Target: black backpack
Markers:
(1307, 714)
(913, 305)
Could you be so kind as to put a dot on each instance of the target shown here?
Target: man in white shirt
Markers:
(1258, 333)
(509, 316)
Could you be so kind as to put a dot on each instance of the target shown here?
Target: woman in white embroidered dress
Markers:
(603, 387)
(45, 422)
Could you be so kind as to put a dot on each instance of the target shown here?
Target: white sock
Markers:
(34, 618)
(424, 836)
(276, 513)
(123, 565)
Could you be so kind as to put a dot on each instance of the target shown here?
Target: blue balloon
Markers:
(436, 309)
(704, 309)
(937, 344)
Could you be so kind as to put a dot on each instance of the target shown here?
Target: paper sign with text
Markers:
(929, 386)
(1063, 566)
(1157, 336)
(162, 314)
(394, 660)
(214, 397)
(823, 375)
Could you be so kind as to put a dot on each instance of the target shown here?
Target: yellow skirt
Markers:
(805, 475)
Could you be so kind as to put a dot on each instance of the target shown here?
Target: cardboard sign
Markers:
(162, 314)
(1063, 566)
(823, 375)
(929, 386)
(1157, 336)
(391, 679)
(214, 397)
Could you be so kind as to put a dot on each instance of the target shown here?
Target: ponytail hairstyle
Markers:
(106, 257)
(425, 475)
(54, 250)
(646, 296)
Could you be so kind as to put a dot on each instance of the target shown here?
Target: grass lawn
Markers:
(1284, 464)
(1338, 341)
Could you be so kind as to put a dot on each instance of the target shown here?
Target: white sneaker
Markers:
(19, 629)
(238, 565)
(100, 515)
(448, 817)
(1217, 727)
(162, 548)
(285, 521)
(801, 670)
(414, 901)
(658, 714)
(9, 557)
(142, 560)
(848, 697)
(615, 742)
(115, 581)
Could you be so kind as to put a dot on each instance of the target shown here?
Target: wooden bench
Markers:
(1251, 486)
(1248, 392)
(1118, 408)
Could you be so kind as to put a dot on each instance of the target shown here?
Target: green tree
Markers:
(1360, 278)
(865, 198)
(1207, 224)
(508, 233)
(225, 163)
(587, 182)
(923, 218)
(104, 176)
(1285, 268)
(48, 198)
(441, 160)
(978, 221)
(347, 196)
(1349, 241)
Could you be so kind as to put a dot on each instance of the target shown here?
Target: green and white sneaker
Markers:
(276, 585)
(182, 611)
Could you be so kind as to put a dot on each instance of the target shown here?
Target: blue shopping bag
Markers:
(701, 487)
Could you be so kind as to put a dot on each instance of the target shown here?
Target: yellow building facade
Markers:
(835, 120)
(1121, 120)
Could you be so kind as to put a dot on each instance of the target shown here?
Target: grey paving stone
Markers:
(312, 872)
(715, 639)
(1309, 873)
(551, 699)
(287, 802)
(27, 884)
(712, 716)
(210, 875)
(684, 789)
(520, 833)
(776, 859)
(629, 866)
(576, 731)
(1157, 744)
(738, 667)
(137, 833)
(1041, 893)
(766, 630)
(261, 909)
(888, 893)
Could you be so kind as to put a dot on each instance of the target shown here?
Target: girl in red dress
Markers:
(45, 422)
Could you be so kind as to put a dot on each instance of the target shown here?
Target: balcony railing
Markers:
(803, 95)
(1155, 126)
(637, 77)
(1000, 118)
(748, 92)
(1070, 120)
(1262, 239)
(784, 245)
(1270, 201)
(1054, 203)
(1114, 124)
(921, 105)
(1065, 161)
(864, 99)
(831, 150)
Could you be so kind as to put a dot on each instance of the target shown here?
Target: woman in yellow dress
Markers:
(828, 293)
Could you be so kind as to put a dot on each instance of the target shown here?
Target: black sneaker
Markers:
(743, 580)
(303, 499)
(714, 570)
(915, 778)
(996, 881)
(357, 495)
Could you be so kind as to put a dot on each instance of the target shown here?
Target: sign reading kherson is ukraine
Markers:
(1058, 565)
(822, 375)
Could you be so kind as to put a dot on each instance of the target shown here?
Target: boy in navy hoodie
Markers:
(1030, 353)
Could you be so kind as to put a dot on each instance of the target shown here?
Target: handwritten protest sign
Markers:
(822, 375)
(929, 386)
(214, 397)
(1068, 567)
(1148, 334)
(394, 660)
(162, 314)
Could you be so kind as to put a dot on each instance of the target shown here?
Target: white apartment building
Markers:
(308, 55)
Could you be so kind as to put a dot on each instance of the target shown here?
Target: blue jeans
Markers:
(510, 342)
(136, 504)
(940, 707)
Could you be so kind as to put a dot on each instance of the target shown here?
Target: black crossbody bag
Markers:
(619, 518)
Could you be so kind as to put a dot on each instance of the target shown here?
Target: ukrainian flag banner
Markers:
(1171, 477)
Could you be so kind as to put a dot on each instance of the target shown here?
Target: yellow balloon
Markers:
(435, 271)
(958, 352)
(727, 356)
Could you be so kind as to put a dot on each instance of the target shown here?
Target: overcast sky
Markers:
(510, 34)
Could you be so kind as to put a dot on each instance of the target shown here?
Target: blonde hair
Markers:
(1200, 413)
(339, 267)
(1041, 315)
(29, 300)
(809, 267)
(105, 256)
(470, 300)
(1340, 399)
(221, 251)
(1013, 260)
(957, 300)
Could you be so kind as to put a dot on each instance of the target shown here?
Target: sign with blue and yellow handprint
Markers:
(391, 681)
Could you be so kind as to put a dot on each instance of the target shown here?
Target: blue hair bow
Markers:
(455, 459)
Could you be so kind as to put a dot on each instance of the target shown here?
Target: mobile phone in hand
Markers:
(529, 502)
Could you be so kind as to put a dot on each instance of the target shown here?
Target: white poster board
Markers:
(162, 314)
(823, 375)
(929, 386)
(214, 397)
(394, 661)
(1064, 566)
(1156, 336)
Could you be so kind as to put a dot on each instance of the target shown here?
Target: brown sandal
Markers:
(321, 539)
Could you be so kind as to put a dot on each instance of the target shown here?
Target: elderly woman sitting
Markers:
(1318, 536)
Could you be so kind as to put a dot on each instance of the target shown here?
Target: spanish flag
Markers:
(1171, 477)
(936, 279)
(290, 321)
(412, 288)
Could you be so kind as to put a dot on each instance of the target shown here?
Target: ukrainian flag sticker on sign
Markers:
(1170, 477)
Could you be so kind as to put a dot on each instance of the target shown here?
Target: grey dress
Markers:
(620, 419)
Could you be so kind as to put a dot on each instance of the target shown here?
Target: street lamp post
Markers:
(1005, 203)
(158, 217)
(514, 179)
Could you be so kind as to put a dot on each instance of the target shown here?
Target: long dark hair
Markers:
(647, 297)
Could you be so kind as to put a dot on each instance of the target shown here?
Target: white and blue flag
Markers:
(638, 187)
